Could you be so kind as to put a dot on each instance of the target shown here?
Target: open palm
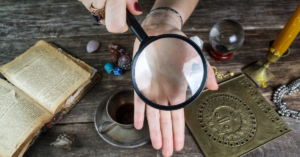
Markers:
(161, 75)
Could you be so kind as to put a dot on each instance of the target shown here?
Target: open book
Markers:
(46, 81)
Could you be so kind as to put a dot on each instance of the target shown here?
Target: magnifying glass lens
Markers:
(169, 71)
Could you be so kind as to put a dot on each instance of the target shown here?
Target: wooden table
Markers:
(68, 24)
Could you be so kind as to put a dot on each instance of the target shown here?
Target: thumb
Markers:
(211, 79)
(134, 7)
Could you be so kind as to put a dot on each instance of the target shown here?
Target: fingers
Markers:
(178, 128)
(115, 12)
(134, 7)
(139, 110)
(115, 16)
(211, 79)
(98, 4)
(167, 133)
(95, 3)
(165, 121)
(153, 117)
(178, 122)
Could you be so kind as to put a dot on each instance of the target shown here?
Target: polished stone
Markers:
(109, 68)
(92, 46)
(118, 71)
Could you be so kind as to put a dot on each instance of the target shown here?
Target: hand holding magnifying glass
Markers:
(171, 71)
(166, 127)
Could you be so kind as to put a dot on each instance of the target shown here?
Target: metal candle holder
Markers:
(259, 73)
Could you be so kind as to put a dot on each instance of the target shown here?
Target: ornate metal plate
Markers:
(233, 120)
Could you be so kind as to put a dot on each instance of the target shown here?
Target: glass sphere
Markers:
(226, 36)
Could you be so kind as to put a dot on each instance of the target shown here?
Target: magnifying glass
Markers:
(163, 76)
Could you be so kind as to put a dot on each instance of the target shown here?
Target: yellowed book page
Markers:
(26, 144)
(46, 75)
(20, 116)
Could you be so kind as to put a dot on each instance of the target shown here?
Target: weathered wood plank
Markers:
(254, 49)
(67, 18)
(89, 143)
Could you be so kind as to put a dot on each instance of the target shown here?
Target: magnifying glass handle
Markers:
(135, 26)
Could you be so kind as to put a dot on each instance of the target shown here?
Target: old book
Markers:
(46, 81)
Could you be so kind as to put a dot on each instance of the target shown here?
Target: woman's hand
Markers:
(166, 127)
(115, 12)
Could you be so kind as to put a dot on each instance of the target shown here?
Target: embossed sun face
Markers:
(226, 119)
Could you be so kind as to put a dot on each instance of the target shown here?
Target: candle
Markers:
(287, 35)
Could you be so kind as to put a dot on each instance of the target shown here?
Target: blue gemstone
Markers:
(109, 68)
(95, 17)
(118, 71)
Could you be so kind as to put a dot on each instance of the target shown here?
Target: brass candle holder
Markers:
(259, 73)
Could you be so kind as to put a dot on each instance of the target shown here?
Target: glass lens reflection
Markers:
(169, 71)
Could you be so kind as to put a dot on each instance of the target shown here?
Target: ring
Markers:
(98, 14)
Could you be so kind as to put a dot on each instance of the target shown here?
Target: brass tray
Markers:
(233, 120)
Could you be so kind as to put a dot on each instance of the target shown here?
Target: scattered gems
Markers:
(289, 89)
(92, 46)
(109, 68)
(118, 71)
(124, 62)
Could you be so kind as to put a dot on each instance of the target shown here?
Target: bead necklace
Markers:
(289, 89)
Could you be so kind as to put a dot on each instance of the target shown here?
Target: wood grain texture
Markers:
(68, 24)
(253, 49)
(89, 143)
(67, 18)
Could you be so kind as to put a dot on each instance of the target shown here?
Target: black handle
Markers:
(135, 26)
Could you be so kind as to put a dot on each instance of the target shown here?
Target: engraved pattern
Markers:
(263, 105)
(227, 120)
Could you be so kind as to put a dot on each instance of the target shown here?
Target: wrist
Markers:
(161, 22)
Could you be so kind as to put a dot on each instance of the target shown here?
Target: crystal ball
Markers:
(226, 36)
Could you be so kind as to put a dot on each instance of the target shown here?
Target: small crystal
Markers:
(109, 68)
(64, 141)
(198, 41)
(92, 46)
(115, 50)
(118, 71)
